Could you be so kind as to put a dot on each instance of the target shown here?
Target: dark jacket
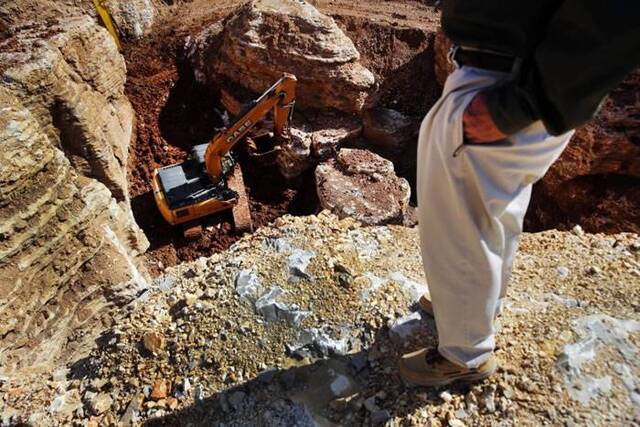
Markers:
(574, 52)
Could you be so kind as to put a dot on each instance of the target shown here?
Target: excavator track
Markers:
(241, 212)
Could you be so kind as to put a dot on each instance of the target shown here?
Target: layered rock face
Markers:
(265, 38)
(133, 18)
(596, 181)
(69, 246)
(364, 186)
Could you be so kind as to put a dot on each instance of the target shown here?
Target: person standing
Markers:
(528, 73)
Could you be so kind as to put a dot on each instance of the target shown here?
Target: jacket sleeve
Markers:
(588, 48)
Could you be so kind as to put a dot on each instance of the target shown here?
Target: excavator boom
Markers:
(280, 98)
(198, 187)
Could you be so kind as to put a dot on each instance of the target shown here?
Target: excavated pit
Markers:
(191, 115)
(175, 112)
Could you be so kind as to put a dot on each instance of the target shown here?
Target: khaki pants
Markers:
(471, 203)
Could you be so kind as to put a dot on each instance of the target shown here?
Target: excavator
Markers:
(210, 180)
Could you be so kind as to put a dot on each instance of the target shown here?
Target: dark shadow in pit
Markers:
(192, 113)
(276, 397)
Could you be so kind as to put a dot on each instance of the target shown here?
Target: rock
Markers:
(66, 404)
(132, 17)
(297, 264)
(315, 141)
(389, 132)
(590, 183)
(321, 342)
(454, 422)
(98, 403)
(131, 414)
(487, 399)
(248, 285)
(563, 272)
(154, 342)
(362, 185)
(406, 326)
(65, 130)
(370, 404)
(272, 310)
(380, 416)
(252, 51)
(160, 389)
(446, 396)
(237, 399)
(341, 386)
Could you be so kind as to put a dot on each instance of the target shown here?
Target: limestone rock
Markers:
(265, 38)
(69, 250)
(132, 18)
(389, 132)
(362, 185)
(315, 141)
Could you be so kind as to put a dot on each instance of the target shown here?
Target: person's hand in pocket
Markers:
(478, 123)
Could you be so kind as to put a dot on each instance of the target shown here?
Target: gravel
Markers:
(209, 357)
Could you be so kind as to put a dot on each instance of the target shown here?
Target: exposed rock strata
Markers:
(362, 185)
(133, 18)
(265, 38)
(69, 245)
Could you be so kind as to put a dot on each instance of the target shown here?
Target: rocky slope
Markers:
(70, 247)
(303, 322)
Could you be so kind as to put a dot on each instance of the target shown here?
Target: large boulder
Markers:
(70, 250)
(389, 132)
(265, 38)
(364, 186)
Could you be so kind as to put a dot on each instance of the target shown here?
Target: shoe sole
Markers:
(425, 306)
(446, 381)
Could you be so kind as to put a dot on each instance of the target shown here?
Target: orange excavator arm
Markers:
(280, 98)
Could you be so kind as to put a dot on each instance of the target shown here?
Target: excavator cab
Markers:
(210, 181)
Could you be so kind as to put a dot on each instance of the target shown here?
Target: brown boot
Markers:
(429, 368)
(425, 303)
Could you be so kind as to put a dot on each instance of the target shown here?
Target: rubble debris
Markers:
(298, 262)
(248, 286)
(406, 326)
(97, 403)
(272, 310)
(229, 347)
(251, 50)
(154, 342)
(362, 185)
